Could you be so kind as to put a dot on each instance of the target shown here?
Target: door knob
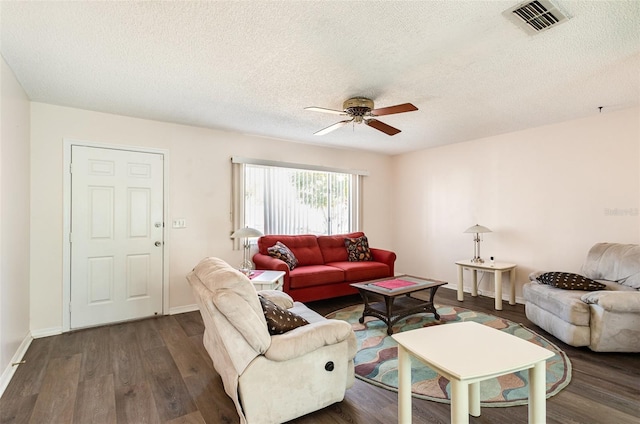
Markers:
(158, 243)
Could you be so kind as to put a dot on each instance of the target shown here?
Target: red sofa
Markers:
(323, 269)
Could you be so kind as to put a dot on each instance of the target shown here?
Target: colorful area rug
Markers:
(376, 361)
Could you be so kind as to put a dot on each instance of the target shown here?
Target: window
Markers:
(287, 199)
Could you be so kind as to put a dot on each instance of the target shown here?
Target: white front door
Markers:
(116, 235)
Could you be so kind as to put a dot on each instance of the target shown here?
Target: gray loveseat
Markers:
(606, 320)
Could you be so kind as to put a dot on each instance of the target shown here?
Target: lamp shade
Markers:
(477, 229)
(246, 232)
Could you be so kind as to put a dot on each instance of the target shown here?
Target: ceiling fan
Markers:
(360, 110)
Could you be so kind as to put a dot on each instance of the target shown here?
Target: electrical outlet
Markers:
(179, 223)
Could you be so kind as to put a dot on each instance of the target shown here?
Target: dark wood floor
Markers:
(157, 371)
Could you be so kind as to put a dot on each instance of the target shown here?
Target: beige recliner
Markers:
(271, 378)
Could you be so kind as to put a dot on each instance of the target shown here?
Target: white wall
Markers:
(547, 193)
(544, 192)
(199, 191)
(14, 214)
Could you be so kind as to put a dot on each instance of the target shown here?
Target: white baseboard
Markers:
(8, 372)
(46, 332)
(183, 309)
(487, 293)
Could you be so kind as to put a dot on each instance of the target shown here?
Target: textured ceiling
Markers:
(252, 67)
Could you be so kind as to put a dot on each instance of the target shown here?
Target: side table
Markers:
(497, 268)
(267, 280)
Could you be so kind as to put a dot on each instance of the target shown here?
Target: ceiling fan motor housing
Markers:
(360, 111)
(358, 106)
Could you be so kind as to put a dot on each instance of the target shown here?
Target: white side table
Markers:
(267, 280)
(497, 268)
(446, 348)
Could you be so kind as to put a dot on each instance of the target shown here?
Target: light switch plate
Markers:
(179, 223)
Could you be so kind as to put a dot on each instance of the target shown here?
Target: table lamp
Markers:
(477, 230)
(245, 233)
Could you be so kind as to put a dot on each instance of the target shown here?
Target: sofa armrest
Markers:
(270, 263)
(305, 339)
(385, 256)
(614, 301)
(534, 276)
(278, 297)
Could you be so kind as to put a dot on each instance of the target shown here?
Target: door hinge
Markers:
(70, 307)
(70, 238)
(71, 168)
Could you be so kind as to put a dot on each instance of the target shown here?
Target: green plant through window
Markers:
(296, 201)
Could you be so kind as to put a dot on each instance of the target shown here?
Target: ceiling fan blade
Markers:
(325, 110)
(381, 126)
(405, 107)
(332, 127)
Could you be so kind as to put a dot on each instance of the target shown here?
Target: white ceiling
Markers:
(251, 67)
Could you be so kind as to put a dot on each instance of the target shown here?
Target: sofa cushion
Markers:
(282, 252)
(361, 271)
(280, 320)
(333, 248)
(569, 281)
(614, 262)
(314, 275)
(304, 247)
(613, 286)
(305, 312)
(358, 249)
(565, 304)
(575, 335)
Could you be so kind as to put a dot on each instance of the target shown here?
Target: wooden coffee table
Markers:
(391, 305)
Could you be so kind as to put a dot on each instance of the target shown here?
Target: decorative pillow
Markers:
(280, 320)
(569, 281)
(282, 252)
(358, 249)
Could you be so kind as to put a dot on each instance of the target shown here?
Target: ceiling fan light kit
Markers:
(361, 110)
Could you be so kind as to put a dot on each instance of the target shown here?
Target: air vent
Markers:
(536, 16)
